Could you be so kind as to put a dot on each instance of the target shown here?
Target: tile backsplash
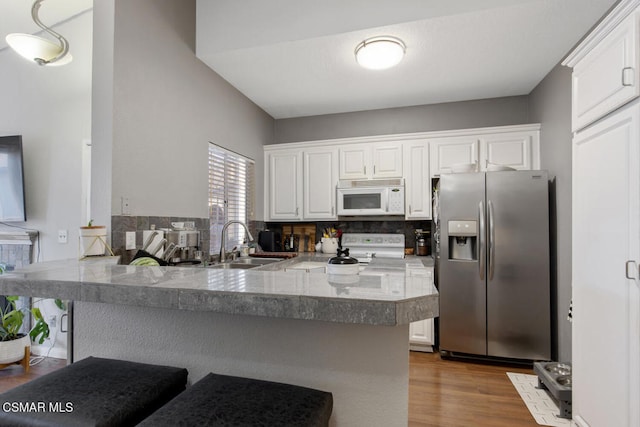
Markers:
(401, 227)
(120, 224)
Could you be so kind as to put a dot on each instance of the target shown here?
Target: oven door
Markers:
(362, 201)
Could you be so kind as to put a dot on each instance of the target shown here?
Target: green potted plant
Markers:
(12, 342)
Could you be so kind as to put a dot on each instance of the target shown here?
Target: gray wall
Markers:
(166, 106)
(550, 105)
(422, 118)
(51, 108)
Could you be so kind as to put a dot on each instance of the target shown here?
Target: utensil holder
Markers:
(329, 245)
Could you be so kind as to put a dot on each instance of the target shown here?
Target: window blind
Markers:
(231, 195)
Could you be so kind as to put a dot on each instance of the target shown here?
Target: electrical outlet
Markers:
(130, 240)
(62, 236)
(52, 321)
(126, 206)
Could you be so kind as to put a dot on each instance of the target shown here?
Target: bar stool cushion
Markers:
(221, 400)
(92, 392)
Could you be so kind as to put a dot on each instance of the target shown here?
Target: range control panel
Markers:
(368, 245)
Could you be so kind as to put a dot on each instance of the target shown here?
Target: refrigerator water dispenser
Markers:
(463, 236)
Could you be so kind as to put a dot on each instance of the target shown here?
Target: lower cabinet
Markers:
(421, 335)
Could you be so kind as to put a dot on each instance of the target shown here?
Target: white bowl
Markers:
(499, 168)
(463, 167)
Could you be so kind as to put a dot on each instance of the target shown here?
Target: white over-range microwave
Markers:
(371, 197)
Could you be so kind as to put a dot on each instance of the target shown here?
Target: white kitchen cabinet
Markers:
(606, 224)
(377, 160)
(446, 152)
(301, 184)
(519, 150)
(606, 77)
(283, 192)
(606, 255)
(417, 180)
(421, 335)
(320, 177)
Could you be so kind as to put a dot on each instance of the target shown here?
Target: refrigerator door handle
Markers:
(492, 240)
(482, 263)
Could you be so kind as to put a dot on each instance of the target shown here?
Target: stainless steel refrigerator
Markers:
(493, 266)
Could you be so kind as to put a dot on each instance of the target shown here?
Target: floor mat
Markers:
(541, 405)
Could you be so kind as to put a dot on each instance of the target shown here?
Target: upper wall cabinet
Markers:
(606, 77)
(514, 146)
(513, 149)
(448, 151)
(283, 192)
(320, 176)
(371, 161)
(417, 179)
(301, 177)
(301, 184)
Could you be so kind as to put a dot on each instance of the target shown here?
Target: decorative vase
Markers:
(93, 240)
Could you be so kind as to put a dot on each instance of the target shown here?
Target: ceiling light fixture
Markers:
(40, 50)
(379, 53)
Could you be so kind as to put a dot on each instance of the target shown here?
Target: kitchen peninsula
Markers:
(274, 322)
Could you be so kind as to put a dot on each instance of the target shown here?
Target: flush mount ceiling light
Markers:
(379, 53)
(40, 50)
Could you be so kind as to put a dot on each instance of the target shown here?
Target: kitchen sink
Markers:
(256, 261)
(227, 266)
(245, 263)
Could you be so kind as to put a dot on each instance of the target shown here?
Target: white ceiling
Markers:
(295, 57)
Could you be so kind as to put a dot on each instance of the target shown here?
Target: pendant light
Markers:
(40, 50)
(379, 53)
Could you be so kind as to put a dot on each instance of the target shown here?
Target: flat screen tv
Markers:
(12, 206)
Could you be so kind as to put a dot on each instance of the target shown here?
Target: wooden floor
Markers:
(453, 393)
(441, 392)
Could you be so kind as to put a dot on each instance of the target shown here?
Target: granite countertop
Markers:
(387, 292)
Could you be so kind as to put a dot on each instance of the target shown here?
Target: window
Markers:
(231, 195)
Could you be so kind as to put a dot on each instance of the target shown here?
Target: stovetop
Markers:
(365, 246)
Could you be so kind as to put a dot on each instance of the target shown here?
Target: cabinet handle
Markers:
(296, 211)
(631, 264)
(374, 169)
(365, 170)
(409, 209)
(332, 210)
(627, 76)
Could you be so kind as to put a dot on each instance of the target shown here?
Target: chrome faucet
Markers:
(223, 255)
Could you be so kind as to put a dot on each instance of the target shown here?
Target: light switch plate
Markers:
(130, 240)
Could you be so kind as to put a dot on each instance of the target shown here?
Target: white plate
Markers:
(499, 168)
(463, 167)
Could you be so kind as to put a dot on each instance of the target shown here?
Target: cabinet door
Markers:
(606, 234)
(607, 77)
(445, 152)
(320, 179)
(354, 160)
(285, 178)
(417, 180)
(421, 335)
(387, 160)
(513, 149)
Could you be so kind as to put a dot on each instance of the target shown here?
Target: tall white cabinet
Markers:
(606, 223)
